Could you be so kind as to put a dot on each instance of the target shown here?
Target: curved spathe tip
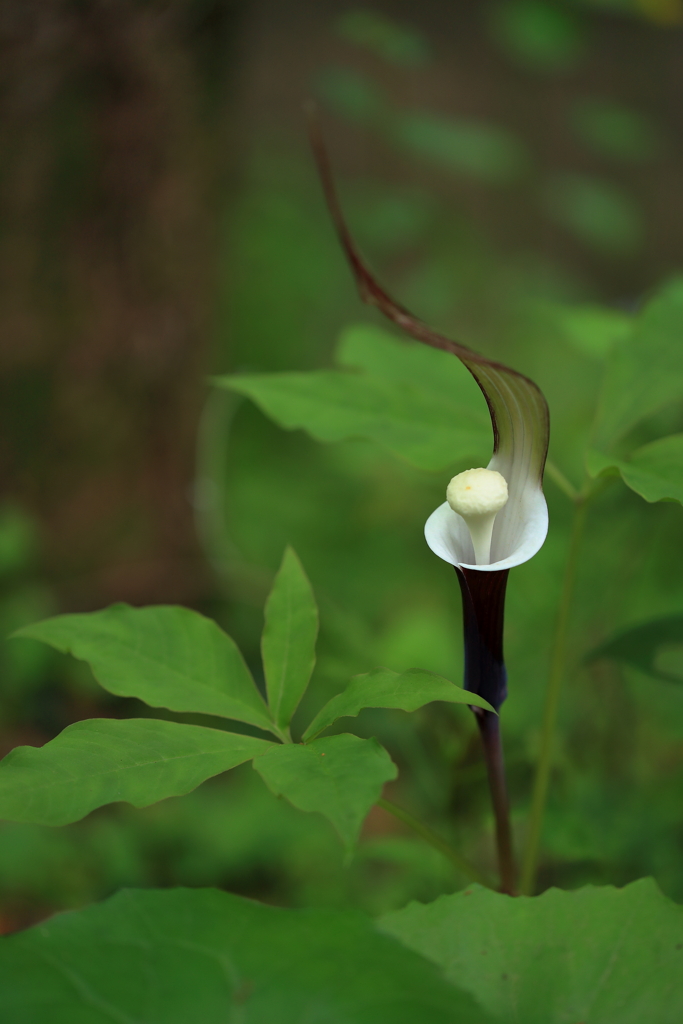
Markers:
(518, 532)
(519, 418)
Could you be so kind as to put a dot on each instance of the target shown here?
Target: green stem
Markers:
(282, 734)
(561, 481)
(552, 700)
(434, 840)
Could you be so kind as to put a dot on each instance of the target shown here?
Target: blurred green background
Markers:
(513, 172)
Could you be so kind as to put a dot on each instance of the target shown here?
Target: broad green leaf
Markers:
(383, 355)
(598, 464)
(655, 471)
(593, 330)
(165, 655)
(386, 689)
(288, 641)
(102, 760)
(653, 647)
(201, 956)
(597, 955)
(340, 777)
(645, 373)
(418, 406)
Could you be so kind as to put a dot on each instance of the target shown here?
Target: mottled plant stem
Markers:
(489, 728)
(431, 837)
(552, 702)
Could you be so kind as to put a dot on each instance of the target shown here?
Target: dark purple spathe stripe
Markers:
(483, 612)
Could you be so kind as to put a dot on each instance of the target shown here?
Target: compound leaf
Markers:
(102, 760)
(340, 777)
(419, 404)
(164, 655)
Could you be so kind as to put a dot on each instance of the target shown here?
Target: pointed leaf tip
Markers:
(165, 655)
(384, 688)
(289, 637)
(103, 760)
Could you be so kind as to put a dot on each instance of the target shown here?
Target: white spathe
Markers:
(519, 530)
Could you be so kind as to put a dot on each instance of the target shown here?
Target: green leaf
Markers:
(472, 147)
(655, 471)
(102, 760)
(383, 688)
(598, 955)
(340, 777)
(288, 641)
(593, 330)
(654, 647)
(200, 956)
(423, 407)
(645, 373)
(167, 656)
(383, 355)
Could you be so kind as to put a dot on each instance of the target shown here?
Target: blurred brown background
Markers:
(126, 131)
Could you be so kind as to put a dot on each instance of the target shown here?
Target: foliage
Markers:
(425, 409)
(596, 954)
(341, 777)
(652, 647)
(473, 956)
(409, 407)
(98, 761)
(185, 955)
(175, 658)
(176, 704)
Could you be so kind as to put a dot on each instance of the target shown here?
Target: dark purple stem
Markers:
(489, 728)
(483, 609)
(483, 604)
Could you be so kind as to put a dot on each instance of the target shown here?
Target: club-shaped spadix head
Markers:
(477, 496)
(517, 532)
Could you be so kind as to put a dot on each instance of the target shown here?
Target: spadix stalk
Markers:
(478, 495)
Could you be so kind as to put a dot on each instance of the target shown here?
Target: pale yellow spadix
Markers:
(477, 495)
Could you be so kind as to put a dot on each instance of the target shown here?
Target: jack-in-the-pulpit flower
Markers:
(492, 519)
(519, 417)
